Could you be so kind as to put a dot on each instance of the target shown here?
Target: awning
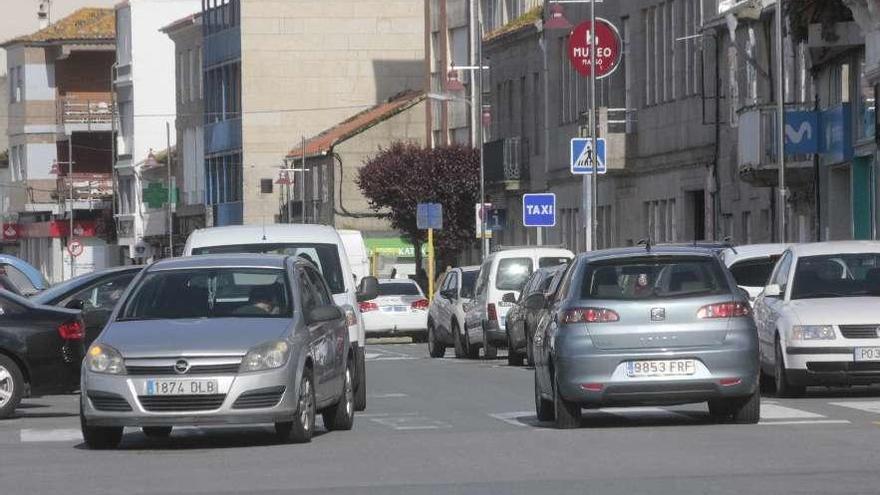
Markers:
(392, 246)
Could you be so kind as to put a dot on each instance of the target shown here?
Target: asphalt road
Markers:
(452, 426)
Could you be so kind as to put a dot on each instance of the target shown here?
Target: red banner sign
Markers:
(608, 48)
(11, 231)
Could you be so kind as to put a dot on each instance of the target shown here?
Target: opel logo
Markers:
(181, 367)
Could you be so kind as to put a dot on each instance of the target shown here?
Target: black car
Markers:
(41, 348)
(521, 320)
(95, 294)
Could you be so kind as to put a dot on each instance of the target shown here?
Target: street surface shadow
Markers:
(203, 439)
(37, 415)
(853, 392)
(594, 419)
(31, 405)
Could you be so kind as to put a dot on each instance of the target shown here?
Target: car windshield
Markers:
(210, 293)
(398, 289)
(468, 282)
(753, 272)
(18, 279)
(837, 275)
(513, 273)
(653, 278)
(552, 261)
(324, 256)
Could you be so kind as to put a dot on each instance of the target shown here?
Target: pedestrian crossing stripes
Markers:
(866, 406)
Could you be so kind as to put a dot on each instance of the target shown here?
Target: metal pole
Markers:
(546, 88)
(430, 264)
(484, 243)
(302, 183)
(170, 191)
(594, 131)
(70, 187)
(780, 121)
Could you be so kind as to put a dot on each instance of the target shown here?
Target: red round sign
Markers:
(75, 248)
(607, 48)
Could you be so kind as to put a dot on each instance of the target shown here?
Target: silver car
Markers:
(220, 339)
(643, 326)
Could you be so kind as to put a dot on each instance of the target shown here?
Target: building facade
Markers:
(59, 178)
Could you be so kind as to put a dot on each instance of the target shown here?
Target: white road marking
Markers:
(519, 418)
(871, 406)
(806, 422)
(774, 411)
(56, 435)
(410, 422)
(388, 396)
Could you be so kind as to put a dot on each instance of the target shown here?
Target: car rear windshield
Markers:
(468, 282)
(324, 256)
(552, 261)
(653, 278)
(210, 293)
(19, 280)
(513, 273)
(398, 289)
(837, 275)
(753, 272)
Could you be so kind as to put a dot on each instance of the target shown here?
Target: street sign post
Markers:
(581, 149)
(539, 210)
(496, 219)
(75, 248)
(430, 216)
(608, 48)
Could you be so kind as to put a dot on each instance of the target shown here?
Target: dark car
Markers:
(41, 348)
(18, 273)
(521, 320)
(95, 294)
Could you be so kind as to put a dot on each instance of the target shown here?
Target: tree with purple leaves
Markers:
(403, 175)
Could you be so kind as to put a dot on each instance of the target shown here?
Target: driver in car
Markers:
(261, 302)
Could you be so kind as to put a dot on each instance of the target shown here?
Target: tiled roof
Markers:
(525, 21)
(325, 141)
(90, 24)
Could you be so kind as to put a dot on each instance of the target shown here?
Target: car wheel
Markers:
(747, 411)
(11, 386)
(341, 415)
(360, 389)
(530, 356)
(514, 358)
(435, 349)
(303, 425)
(157, 431)
(783, 387)
(567, 414)
(543, 407)
(99, 437)
(470, 351)
(489, 350)
(459, 346)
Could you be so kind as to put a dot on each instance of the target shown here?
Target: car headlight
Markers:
(102, 358)
(266, 357)
(811, 332)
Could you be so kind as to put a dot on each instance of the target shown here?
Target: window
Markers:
(399, 289)
(747, 227)
(548, 262)
(102, 296)
(211, 293)
(537, 107)
(837, 275)
(753, 272)
(780, 275)
(648, 14)
(320, 287)
(654, 278)
(198, 70)
(468, 280)
(18, 279)
(181, 77)
(512, 273)
(866, 104)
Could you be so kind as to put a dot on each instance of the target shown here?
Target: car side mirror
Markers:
(772, 290)
(369, 289)
(536, 301)
(509, 297)
(324, 313)
(75, 304)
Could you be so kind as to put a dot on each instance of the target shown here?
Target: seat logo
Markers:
(181, 367)
(658, 314)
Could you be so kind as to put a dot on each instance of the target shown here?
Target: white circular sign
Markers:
(75, 248)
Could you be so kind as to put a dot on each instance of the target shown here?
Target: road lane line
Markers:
(55, 435)
(388, 396)
(774, 411)
(806, 422)
(871, 406)
(525, 419)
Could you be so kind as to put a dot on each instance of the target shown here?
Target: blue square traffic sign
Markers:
(429, 216)
(581, 148)
(539, 210)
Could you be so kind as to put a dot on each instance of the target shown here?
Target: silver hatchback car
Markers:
(643, 326)
(220, 339)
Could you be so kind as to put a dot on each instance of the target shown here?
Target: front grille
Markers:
(181, 403)
(859, 331)
(196, 369)
(262, 397)
(105, 401)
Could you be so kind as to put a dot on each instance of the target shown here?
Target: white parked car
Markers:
(447, 311)
(752, 264)
(503, 272)
(319, 244)
(818, 318)
(399, 309)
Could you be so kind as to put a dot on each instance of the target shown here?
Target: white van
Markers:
(356, 249)
(504, 271)
(320, 244)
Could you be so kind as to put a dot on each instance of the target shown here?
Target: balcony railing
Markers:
(507, 161)
(85, 187)
(78, 111)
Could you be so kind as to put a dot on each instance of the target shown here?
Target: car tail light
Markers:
(724, 310)
(367, 306)
(71, 330)
(730, 382)
(491, 312)
(421, 304)
(351, 318)
(590, 315)
(592, 387)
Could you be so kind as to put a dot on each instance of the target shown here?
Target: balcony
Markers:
(223, 135)
(85, 187)
(507, 162)
(78, 114)
(756, 154)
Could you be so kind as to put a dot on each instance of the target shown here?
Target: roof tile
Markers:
(84, 24)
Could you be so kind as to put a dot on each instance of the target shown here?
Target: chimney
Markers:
(43, 13)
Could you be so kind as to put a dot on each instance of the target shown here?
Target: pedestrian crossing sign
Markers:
(581, 148)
